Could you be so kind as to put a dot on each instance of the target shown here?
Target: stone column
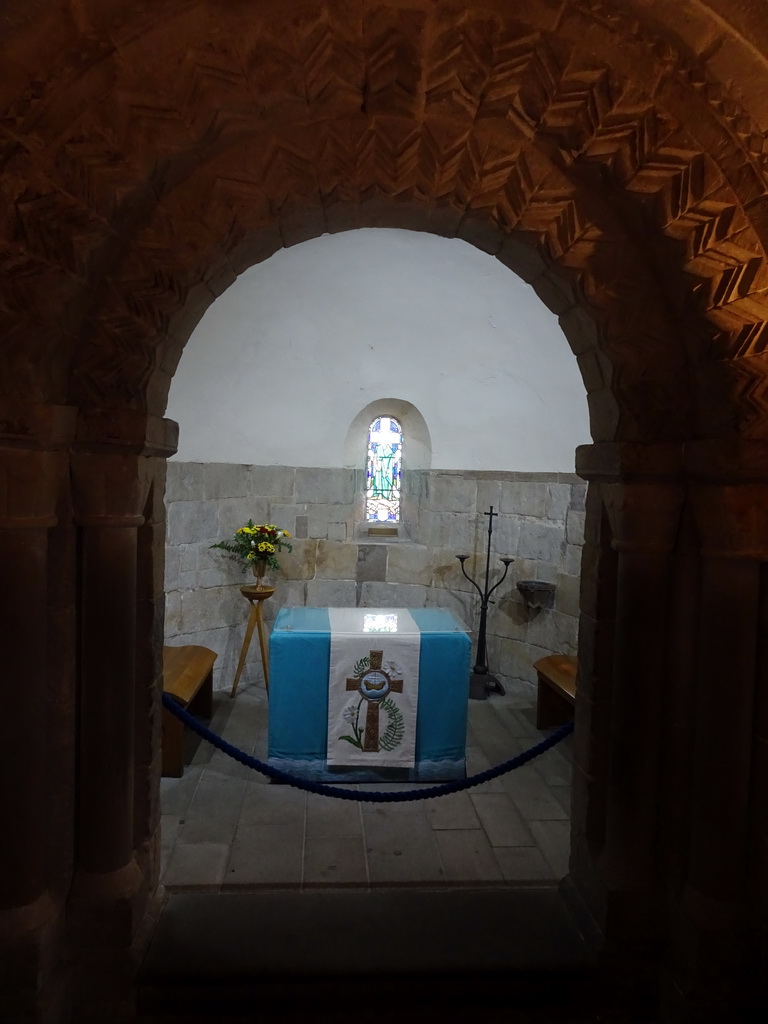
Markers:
(597, 629)
(30, 483)
(716, 955)
(109, 494)
(644, 517)
(113, 900)
(149, 666)
(641, 494)
(758, 861)
(715, 958)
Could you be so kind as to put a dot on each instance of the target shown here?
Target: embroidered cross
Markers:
(374, 685)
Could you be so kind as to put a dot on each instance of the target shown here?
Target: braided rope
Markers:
(364, 797)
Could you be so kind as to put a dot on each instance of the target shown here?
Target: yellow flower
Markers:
(285, 533)
(250, 555)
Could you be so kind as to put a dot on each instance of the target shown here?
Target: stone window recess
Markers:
(383, 476)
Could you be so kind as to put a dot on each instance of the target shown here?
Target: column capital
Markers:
(110, 489)
(619, 460)
(39, 427)
(130, 431)
(644, 514)
(30, 485)
(731, 519)
(727, 461)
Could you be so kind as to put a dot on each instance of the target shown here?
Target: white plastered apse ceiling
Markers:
(282, 364)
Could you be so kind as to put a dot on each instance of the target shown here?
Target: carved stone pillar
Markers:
(30, 484)
(109, 495)
(716, 955)
(644, 517)
(149, 667)
(597, 628)
(642, 495)
(117, 486)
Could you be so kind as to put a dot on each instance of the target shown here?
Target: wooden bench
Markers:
(188, 678)
(556, 694)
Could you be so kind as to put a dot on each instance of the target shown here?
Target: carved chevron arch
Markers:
(585, 131)
(565, 233)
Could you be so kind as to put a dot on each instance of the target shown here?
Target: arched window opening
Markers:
(383, 472)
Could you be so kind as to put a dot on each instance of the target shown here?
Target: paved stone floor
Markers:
(226, 828)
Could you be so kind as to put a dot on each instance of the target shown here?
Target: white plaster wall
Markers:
(283, 362)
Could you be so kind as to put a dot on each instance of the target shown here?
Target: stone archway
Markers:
(149, 157)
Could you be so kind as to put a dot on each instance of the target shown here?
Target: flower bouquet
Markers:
(255, 546)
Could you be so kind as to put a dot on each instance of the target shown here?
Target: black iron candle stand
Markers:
(481, 681)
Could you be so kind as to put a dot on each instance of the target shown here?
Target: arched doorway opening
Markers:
(607, 157)
(281, 364)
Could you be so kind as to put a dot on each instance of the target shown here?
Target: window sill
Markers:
(389, 533)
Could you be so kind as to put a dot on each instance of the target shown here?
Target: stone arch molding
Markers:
(149, 153)
(586, 146)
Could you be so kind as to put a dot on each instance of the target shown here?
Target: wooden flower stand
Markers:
(256, 594)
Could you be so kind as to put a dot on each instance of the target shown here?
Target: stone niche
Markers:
(335, 562)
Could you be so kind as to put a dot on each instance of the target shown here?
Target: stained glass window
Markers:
(382, 476)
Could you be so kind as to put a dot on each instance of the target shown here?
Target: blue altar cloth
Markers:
(299, 658)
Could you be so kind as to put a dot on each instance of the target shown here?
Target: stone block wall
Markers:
(335, 562)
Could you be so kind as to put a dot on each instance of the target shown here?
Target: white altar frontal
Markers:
(369, 694)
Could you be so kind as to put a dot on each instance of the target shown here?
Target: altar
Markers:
(369, 694)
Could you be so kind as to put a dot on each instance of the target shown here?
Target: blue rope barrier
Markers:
(349, 794)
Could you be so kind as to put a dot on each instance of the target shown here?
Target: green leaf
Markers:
(354, 742)
(361, 666)
(393, 734)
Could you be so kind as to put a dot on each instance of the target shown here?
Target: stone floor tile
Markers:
(267, 805)
(246, 727)
(198, 753)
(201, 750)
(455, 811)
(400, 809)
(478, 762)
(265, 855)
(488, 728)
(176, 794)
(335, 861)
(563, 796)
(221, 766)
(467, 856)
(523, 864)
(498, 745)
(196, 865)
(166, 852)
(518, 724)
(532, 796)
(555, 769)
(269, 845)
(499, 753)
(401, 849)
(329, 818)
(212, 815)
(169, 829)
(554, 840)
(501, 820)
(523, 701)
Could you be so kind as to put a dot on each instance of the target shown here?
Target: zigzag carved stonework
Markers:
(199, 151)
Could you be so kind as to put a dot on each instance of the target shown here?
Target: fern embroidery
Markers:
(393, 734)
(361, 666)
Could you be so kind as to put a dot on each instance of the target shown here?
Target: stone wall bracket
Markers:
(537, 593)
